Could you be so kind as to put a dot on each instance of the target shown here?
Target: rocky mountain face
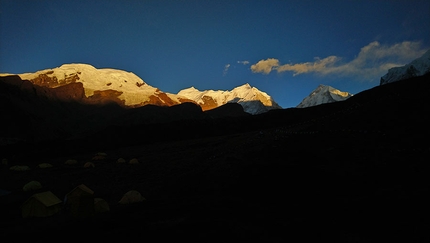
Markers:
(128, 90)
(323, 94)
(416, 68)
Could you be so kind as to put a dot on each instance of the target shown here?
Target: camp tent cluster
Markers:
(78, 203)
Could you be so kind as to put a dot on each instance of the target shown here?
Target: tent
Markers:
(89, 165)
(80, 201)
(20, 168)
(42, 204)
(99, 156)
(71, 162)
(131, 196)
(133, 161)
(44, 165)
(100, 205)
(32, 185)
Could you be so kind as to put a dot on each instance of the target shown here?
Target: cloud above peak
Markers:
(372, 62)
(226, 67)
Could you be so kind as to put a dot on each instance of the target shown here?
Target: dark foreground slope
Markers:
(352, 171)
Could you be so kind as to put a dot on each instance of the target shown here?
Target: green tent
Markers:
(42, 204)
(32, 185)
(100, 205)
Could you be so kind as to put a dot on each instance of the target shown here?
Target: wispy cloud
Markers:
(226, 67)
(372, 61)
(243, 62)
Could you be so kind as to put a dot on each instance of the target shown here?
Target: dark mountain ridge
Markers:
(64, 116)
(350, 171)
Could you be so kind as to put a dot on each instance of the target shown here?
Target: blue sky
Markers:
(285, 48)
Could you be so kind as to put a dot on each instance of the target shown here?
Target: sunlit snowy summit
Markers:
(417, 67)
(252, 100)
(323, 94)
(102, 85)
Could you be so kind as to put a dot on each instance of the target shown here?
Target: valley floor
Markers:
(272, 185)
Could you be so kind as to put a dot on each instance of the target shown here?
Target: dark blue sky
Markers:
(285, 48)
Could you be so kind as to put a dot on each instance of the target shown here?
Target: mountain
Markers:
(108, 85)
(33, 113)
(252, 100)
(343, 165)
(103, 85)
(417, 67)
(323, 94)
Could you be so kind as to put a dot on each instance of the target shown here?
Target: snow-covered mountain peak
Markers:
(131, 89)
(209, 99)
(323, 94)
(417, 67)
(126, 88)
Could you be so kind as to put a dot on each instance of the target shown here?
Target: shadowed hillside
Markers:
(349, 171)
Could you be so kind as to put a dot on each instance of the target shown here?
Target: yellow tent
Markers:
(131, 196)
(42, 204)
(133, 161)
(99, 156)
(44, 165)
(80, 201)
(89, 164)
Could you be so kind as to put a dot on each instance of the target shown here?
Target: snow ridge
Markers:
(134, 92)
(133, 89)
(323, 94)
(417, 67)
(252, 100)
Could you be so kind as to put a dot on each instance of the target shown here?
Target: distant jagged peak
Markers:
(244, 94)
(417, 67)
(244, 86)
(323, 94)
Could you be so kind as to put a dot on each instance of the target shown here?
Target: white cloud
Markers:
(243, 62)
(372, 62)
(226, 67)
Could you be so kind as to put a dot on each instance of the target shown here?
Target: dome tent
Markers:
(89, 165)
(32, 185)
(44, 165)
(100, 156)
(20, 168)
(133, 161)
(131, 196)
(71, 162)
(42, 204)
(100, 205)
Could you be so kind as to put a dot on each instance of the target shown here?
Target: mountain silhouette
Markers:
(352, 170)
